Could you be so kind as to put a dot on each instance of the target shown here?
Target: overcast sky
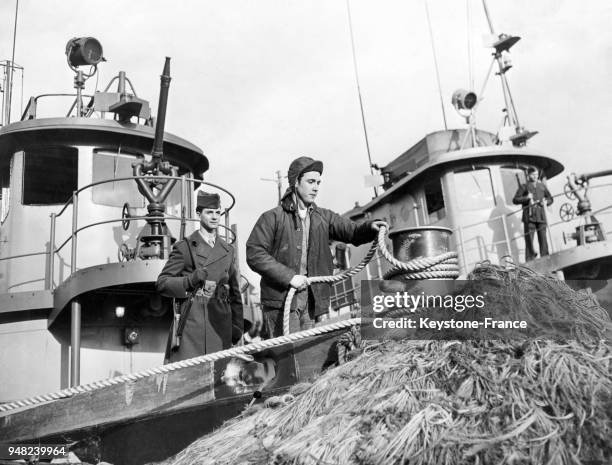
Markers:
(258, 83)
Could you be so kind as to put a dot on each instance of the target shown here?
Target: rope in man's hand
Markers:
(444, 265)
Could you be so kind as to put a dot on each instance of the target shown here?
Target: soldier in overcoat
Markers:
(215, 319)
(533, 195)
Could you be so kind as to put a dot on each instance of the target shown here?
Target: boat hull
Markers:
(154, 417)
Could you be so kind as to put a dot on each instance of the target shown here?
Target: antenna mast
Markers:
(502, 46)
(8, 81)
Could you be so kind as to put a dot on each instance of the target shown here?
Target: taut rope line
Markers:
(160, 370)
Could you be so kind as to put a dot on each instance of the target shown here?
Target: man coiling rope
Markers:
(441, 266)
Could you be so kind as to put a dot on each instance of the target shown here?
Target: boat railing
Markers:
(76, 228)
(31, 109)
(511, 239)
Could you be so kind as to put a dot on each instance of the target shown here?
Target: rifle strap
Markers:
(188, 303)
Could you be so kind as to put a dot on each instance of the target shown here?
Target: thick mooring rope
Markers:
(160, 370)
(444, 265)
(441, 266)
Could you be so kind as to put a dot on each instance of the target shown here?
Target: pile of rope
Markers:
(422, 402)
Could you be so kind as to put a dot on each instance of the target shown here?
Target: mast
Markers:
(502, 46)
(8, 81)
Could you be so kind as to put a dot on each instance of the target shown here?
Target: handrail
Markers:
(560, 194)
(127, 178)
(98, 223)
(514, 238)
(33, 103)
(53, 250)
(24, 255)
(523, 208)
(75, 230)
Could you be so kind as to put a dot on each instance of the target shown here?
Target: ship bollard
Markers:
(420, 242)
(423, 242)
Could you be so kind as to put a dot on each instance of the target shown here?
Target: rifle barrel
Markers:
(158, 142)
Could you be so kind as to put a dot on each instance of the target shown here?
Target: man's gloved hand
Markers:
(196, 279)
(209, 288)
(321, 318)
(299, 282)
(378, 223)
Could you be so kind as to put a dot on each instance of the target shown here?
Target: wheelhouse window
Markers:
(512, 178)
(474, 189)
(108, 166)
(434, 201)
(50, 175)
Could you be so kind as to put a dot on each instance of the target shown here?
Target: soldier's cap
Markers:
(207, 200)
(303, 165)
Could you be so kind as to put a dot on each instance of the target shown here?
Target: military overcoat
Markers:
(535, 212)
(213, 323)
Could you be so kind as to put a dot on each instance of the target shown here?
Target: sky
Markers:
(258, 83)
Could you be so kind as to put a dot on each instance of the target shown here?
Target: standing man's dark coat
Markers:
(273, 250)
(213, 323)
(532, 196)
(534, 213)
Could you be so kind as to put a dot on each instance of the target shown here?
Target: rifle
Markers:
(518, 181)
(181, 310)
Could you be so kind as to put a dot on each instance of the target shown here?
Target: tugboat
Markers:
(92, 204)
(454, 190)
(77, 291)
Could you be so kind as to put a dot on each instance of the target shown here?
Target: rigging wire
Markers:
(484, 83)
(435, 57)
(365, 130)
(470, 45)
(486, 11)
(12, 67)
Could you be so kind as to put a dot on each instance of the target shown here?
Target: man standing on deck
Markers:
(291, 243)
(204, 264)
(532, 196)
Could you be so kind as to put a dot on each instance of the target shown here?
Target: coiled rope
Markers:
(441, 266)
(444, 265)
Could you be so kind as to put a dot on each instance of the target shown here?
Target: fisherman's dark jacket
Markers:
(213, 323)
(273, 250)
(533, 213)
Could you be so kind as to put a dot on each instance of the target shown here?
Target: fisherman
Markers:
(532, 196)
(291, 243)
(203, 266)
